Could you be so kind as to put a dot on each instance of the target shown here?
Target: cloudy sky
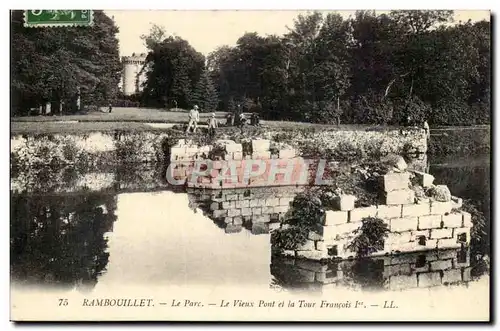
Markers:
(206, 30)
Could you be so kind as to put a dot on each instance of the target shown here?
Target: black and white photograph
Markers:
(250, 165)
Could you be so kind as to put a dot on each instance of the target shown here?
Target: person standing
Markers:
(427, 129)
(212, 125)
(194, 116)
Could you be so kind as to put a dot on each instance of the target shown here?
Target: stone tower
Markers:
(134, 73)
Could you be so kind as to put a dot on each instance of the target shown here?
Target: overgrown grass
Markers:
(472, 140)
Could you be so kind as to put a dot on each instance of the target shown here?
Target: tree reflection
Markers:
(59, 239)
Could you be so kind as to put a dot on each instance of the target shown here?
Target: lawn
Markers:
(139, 119)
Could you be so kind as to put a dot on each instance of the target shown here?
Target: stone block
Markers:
(441, 193)
(420, 268)
(431, 243)
(246, 211)
(267, 210)
(447, 254)
(231, 197)
(453, 220)
(260, 228)
(231, 148)
(441, 265)
(386, 212)
(345, 202)
(399, 197)
(178, 150)
(261, 156)
(307, 246)
(416, 210)
(396, 270)
(339, 231)
(395, 181)
(405, 247)
(220, 213)
(429, 279)
(274, 226)
(441, 233)
(357, 214)
(415, 235)
(311, 265)
(238, 220)
(467, 219)
(228, 204)
(232, 228)
(403, 259)
(272, 202)
(228, 220)
(289, 253)
(398, 238)
(452, 276)
(440, 208)
(261, 218)
(286, 154)
(466, 274)
(285, 201)
(242, 203)
(256, 211)
(238, 156)
(429, 222)
(254, 203)
(320, 277)
(448, 243)
(404, 224)
(214, 206)
(320, 245)
(313, 255)
(456, 202)
(260, 145)
(424, 179)
(335, 217)
(314, 236)
(280, 209)
(402, 282)
(305, 276)
(462, 235)
(234, 212)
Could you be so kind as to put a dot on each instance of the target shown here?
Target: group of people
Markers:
(237, 118)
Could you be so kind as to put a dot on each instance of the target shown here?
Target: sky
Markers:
(206, 30)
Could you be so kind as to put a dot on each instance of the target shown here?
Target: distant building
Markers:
(134, 73)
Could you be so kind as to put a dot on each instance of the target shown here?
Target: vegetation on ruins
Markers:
(305, 212)
(369, 237)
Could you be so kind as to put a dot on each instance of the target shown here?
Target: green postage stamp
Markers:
(57, 18)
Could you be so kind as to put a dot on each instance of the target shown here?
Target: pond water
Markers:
(154, 236)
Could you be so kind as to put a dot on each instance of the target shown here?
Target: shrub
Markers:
(370, 237)
(348, 151)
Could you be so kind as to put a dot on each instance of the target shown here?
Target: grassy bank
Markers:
(460, 140)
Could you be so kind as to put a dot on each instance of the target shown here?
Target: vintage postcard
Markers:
(197, 166)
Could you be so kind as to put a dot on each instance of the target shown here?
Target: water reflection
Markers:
(58, 240)
(71, 227)
(404, 271)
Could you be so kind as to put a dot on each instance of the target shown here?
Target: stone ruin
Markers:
(416, 222)
(228, 160)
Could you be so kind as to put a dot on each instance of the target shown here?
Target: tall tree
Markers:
(205, 94)
(175, 68)
(55, 65)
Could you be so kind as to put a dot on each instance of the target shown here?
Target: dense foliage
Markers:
(366, 69)
(58, 65)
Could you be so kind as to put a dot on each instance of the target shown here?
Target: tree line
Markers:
(369, 68)
(63, 68)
